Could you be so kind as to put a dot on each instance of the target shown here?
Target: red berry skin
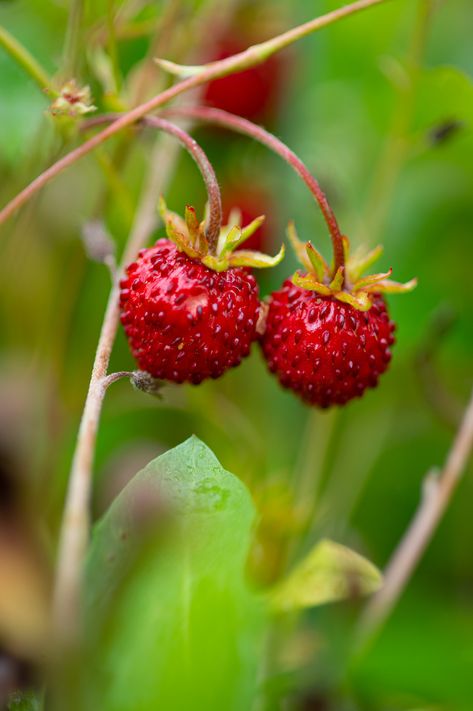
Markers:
(184, 321)
(324, 350)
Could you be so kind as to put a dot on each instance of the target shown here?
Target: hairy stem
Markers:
(76, 519)
(438, 491)
(241, 125)
(75, 524)
(250, 57)
(195, 151)
(25, 60)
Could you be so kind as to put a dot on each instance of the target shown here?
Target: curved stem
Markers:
(241, 125)
(250, 57)
(438, 490)
(212, 231)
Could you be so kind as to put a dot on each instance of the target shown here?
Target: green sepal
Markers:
(393, 287)
(298, 246)
(360, 262)
(345, 285)
(230, 242)
(308, 281)
(361, 301)
(317, 262)
(217, 264)
(337, 282)
(259, 260)
(189, 236)
(250, 229)
(371, 279)
(192, 223)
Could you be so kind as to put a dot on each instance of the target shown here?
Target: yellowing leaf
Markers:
(329, 572)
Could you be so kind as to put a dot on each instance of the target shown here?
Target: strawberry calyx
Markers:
(347, 284)
(188, 234)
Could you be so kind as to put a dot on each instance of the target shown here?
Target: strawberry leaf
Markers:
(171, 620)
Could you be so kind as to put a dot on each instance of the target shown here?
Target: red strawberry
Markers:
(188, 314)
(183, 320)
(326, 351)
(328, 338)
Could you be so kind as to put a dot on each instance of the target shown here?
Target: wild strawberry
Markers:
(328, 337)
(189, 314)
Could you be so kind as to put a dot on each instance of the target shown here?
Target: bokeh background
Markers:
(380, 107)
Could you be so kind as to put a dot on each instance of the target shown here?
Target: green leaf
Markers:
(172, 621)
(329, 572)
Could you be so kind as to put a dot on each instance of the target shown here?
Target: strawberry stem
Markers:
(214, 223)
(241, 125)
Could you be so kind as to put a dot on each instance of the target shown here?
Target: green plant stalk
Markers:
(116, 185)
(438, 489)
(70, 61)
(251, 57)
(112, 44)
(26, 61)
(75, 525)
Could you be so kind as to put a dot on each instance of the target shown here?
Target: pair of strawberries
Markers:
(191, 312)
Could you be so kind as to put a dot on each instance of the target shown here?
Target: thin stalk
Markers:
(251, 57)
(437, 494)
(25, 60)
(241, 125)
(76, 519)
(116, 185)
(70, 58)
(112, 44)
(212, 231)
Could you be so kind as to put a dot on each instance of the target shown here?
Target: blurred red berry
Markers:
(254, 93)
(251, 203)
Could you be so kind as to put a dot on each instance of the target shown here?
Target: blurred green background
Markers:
(380, 107)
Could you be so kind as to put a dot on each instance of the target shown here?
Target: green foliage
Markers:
(170, 615)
